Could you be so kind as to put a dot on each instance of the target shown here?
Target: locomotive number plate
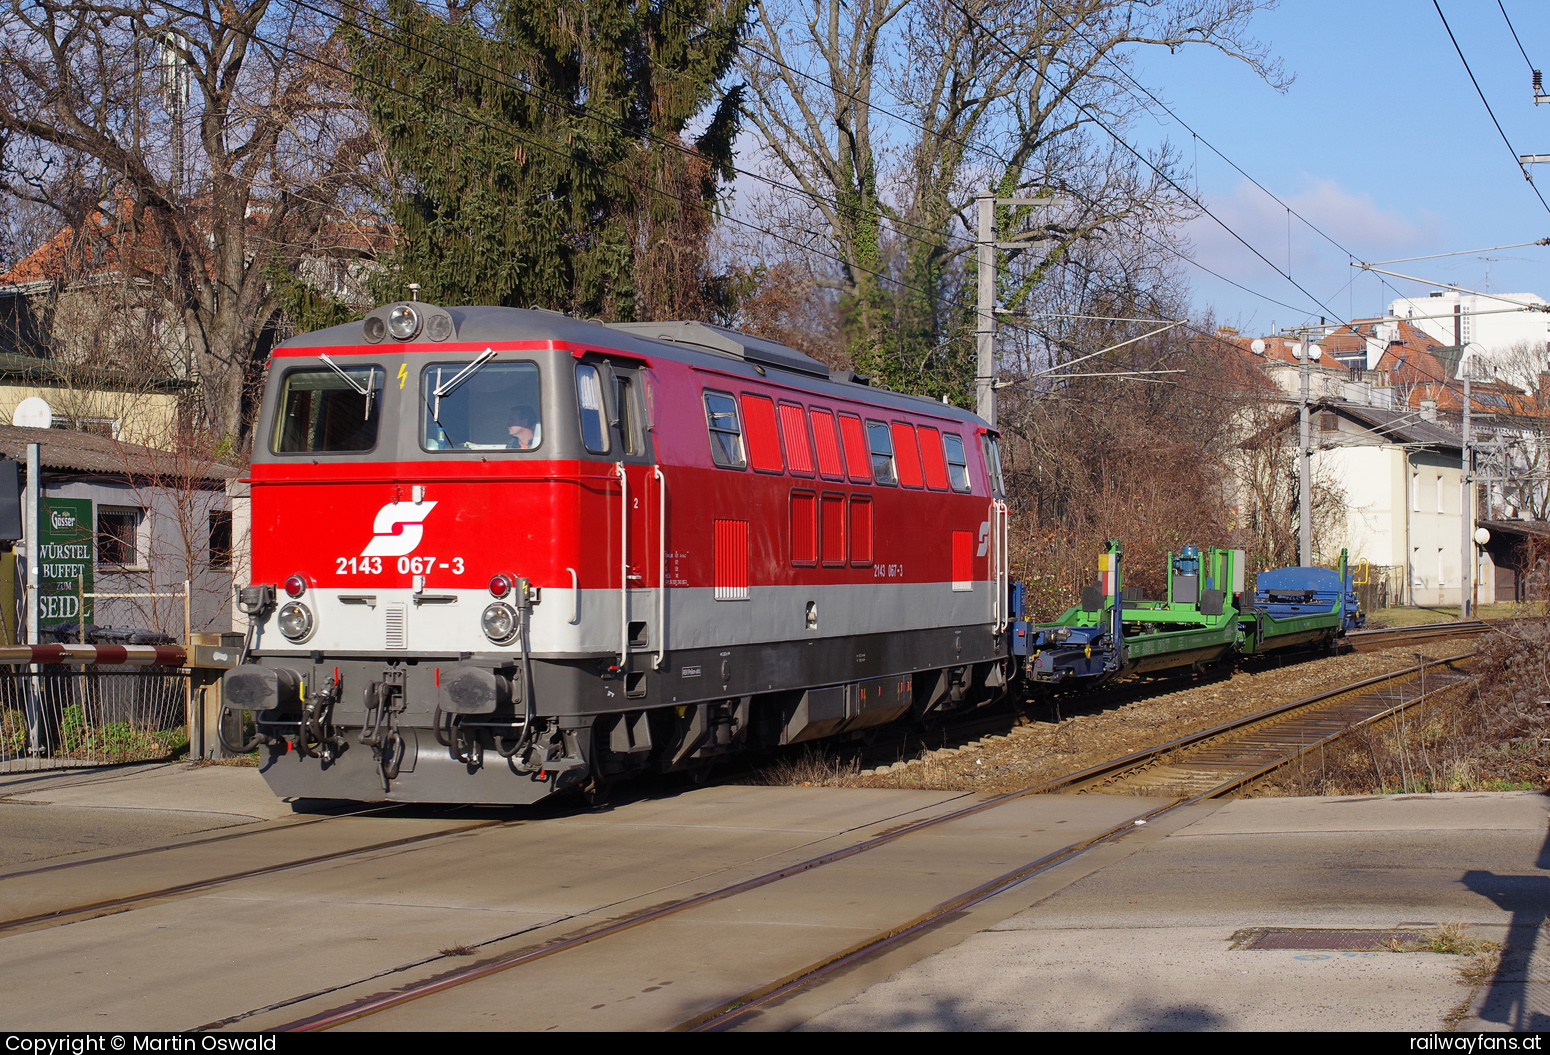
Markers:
(406, 565)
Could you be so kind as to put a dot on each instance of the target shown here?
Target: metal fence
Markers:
(1384, 588)
(91, 715)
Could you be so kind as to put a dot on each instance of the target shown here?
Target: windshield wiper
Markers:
(370, 389)
(461, 376)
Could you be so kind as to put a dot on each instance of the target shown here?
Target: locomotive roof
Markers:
(682, 341)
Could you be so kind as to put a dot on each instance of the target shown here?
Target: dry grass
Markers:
(1450, 939)
(1488, 735)
(459, 950)
(816, 766)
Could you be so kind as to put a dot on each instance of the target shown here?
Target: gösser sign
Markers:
(66, 541)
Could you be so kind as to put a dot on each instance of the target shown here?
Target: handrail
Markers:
(1000, 530)
(624, 566)
(661, 565)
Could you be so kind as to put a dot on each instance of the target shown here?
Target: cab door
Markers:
(642, 493)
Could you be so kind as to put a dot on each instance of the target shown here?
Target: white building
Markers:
(1491, 321)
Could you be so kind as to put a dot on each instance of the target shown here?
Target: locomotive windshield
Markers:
(329, 410)
(495, 407)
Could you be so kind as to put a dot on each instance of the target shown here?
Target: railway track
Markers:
(590, 939)
(619, 938)
(1223, 759)
(1398, 636)
(62, 892)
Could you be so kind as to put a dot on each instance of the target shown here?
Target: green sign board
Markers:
(66, 555)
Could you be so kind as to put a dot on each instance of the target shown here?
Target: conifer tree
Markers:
(542, 155)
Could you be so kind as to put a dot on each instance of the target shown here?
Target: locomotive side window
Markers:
(325, 412)
(908, 454)
(726, 435)
(993, 465)
(793, 429)
(880, 444)
(856, 462)
(957, 463)
(498, 411)
(589, 401)
(827, 441)
(763, 436)
(931, 459)
(628, 416)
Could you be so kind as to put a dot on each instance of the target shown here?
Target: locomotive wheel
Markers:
(596, 793)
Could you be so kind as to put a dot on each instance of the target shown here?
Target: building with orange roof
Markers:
(1385, 409)
(107, 355)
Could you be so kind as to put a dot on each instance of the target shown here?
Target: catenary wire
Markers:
(1515, 157)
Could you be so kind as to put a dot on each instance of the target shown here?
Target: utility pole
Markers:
(1466, 504)
(1305, 469)
(985, 312)
(985, 315)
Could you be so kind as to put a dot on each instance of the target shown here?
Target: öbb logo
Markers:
(398, 529)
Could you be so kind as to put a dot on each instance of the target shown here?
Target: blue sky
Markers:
(1381, 141)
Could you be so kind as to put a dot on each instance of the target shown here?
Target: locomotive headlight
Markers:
(295, 621)
(499, 622)
(403, 322)
(296, 585)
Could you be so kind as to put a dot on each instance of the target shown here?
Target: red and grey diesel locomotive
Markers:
(498, 554)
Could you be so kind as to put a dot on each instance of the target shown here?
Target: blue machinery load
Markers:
(1206, 619)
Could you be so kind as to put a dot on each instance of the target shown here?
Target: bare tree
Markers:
(1262, 468)
(889, 115)
(196, 146)
(1514, 456)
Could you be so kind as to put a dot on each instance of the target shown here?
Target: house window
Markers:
(118, 537)
(104, 427)
(220, 539)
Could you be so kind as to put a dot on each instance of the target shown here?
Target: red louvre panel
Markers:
(963, 560)
(932, 459)
(763, 440)
(731, 560)
(860, 529)
(833, 529)
(907, 453)
(793, 429)
(804, 528)
(857, 456)
(827, 440)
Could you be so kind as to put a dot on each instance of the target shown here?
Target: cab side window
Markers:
(880, 443)
(726, 433)
(589, 400)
